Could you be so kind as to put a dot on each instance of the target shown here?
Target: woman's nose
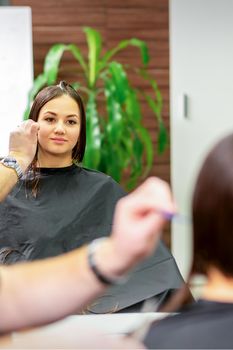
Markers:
(59, 128)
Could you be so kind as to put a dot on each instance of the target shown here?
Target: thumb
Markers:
(34, 129)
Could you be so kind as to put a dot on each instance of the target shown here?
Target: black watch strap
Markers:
(92, 264)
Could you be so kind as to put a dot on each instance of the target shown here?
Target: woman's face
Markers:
(59, 121)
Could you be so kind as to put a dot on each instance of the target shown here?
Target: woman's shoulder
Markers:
(92, 177)
(96, 175)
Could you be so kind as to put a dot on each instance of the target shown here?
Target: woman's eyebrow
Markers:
(50, 112)
(72, 115)
(67, 116)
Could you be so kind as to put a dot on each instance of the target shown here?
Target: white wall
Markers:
(16, 68)
(201, 66)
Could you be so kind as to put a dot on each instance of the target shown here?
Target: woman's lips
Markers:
(58, 140)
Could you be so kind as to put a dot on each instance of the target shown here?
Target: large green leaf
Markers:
(156, 108)
(117, 90)
(93, 144)
(52, 61)
(134, 117)
(116, 155)
(124, 123)
(162, 133)
(121, 137)
(158, 96)
(115, 116)
(136, 162)
(146, 139)
(126, 145)
(155, 104)
(94, 44)
(123, 45)
(162, 138)
(133, 109)
(79, 57)
(119, 81)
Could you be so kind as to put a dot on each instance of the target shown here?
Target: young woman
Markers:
(207, 323)
(59, 205)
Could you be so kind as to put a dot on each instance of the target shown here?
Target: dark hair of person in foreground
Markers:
(208, 322)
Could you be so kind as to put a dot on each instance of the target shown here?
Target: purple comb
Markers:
(176, 216)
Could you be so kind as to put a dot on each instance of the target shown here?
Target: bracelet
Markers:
(11, 162)
(92, 264)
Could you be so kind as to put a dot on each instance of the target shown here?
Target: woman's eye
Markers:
(49, 119)
(71, 122)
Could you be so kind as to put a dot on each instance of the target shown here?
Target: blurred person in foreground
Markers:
(206, 324)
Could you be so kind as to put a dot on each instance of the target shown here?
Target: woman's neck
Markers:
(219, 287)
(53, 161)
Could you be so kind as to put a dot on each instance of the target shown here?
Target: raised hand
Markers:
(23, 143)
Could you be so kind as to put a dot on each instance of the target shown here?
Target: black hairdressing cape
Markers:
(205, 324)
(73, 206)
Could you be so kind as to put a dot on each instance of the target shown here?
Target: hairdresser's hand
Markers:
(137, 224)
(23, 143)
(138, 220)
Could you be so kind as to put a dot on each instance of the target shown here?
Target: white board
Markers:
(201, 68)
(16, 68)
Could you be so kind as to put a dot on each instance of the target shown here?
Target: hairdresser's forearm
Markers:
(44, 291)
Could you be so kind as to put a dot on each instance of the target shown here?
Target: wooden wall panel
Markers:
(62, 21)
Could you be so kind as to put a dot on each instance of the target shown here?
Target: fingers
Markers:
(23, 142)
(34, 129)
(29, 126)
(153, 195)
(138, 220)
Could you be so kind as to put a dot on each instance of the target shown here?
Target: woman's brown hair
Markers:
(212, 213)
(55, 91)
(212, 210)
(45, 95)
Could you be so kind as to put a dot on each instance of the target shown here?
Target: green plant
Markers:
(116, 139)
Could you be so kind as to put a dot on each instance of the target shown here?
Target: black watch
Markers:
(11, 162)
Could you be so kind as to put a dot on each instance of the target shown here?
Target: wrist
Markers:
(12, 164)
(21, 160)
(104, 263)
